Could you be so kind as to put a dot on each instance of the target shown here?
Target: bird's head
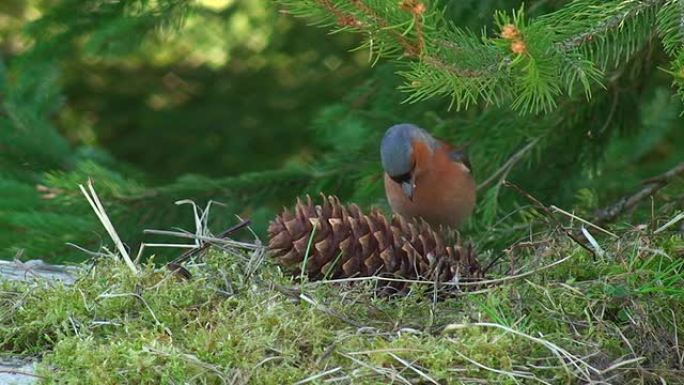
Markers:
(397, 155)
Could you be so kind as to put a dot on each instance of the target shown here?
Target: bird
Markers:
(426, 178)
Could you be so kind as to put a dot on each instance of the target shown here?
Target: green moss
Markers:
(111, 327)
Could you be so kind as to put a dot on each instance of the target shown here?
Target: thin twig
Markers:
(224, 241)
(549, 214)
(191, 253)
(510, 163)
(626, 203)
(136, 296)
(22, 373)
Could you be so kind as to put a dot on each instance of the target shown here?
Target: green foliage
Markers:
(559, 52)
(100, 25)
(235, 103)
(672, 34)
(28, 98)
(167, 87)
(604, 50)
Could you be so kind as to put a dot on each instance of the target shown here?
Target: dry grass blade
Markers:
(256, 258)
(582, 368)
(199, 228)
(328, 311)
(393, 375)
(597, 248)
(96, 205)
(511, 374)
(202, 237)
(479, 282)
(413, 368)
(218, 241)
(193, 360)
(317, 376)
(621, 364)
(586, 222)
(669, 223)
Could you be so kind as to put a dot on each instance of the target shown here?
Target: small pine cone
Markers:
(347, 243)
(519, 47)
(510, 32)
(413, 6)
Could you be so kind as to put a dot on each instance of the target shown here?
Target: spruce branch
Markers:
(343, 19)
(380, 22)
(670, 26)
(632, 9)
(454, 70)
(529, 64)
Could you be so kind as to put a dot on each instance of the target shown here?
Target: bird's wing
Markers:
(459, 155)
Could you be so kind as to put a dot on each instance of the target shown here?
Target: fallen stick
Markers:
(626, 203)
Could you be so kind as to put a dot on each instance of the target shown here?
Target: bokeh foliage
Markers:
(239, 102)
(138, 94)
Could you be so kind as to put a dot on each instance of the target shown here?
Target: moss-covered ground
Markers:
(614, 316)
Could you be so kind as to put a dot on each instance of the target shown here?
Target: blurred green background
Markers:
(220, 89)
(242, 103)
(218, 95)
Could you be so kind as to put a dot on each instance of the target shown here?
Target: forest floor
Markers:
(562, 315)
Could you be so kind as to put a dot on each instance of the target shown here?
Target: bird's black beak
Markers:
(408, 187)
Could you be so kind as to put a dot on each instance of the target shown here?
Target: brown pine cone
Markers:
(347, 243)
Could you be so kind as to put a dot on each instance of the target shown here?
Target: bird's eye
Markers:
(401, 178)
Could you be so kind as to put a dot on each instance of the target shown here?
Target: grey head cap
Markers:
(396, 149)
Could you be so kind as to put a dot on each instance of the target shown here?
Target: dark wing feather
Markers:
(460, 156)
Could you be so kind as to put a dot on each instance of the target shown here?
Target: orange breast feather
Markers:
(444, 192)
